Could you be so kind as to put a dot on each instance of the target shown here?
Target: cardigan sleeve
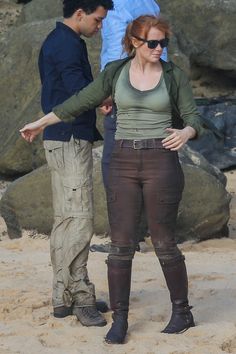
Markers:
(88, 98)
(186, 104)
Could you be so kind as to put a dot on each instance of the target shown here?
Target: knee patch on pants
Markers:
(121, 253)
(169, 257)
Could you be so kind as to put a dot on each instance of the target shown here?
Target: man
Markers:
(65, 69)
(113, 31)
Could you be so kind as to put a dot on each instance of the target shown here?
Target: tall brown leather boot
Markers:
(176, 279)
(119, 279)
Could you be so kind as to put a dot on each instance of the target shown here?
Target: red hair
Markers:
(140, 28)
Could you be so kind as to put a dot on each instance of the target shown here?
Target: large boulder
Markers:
(20, 96)
(35, 10)
(205, 31)
(27, 201)
(42, 10)
(204, 209)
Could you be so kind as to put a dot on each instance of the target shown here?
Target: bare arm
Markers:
(31, 130)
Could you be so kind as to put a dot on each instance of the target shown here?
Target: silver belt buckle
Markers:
(135, 146)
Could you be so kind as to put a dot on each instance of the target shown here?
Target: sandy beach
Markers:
(27, 325)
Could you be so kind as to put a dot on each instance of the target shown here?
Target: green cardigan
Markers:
(184, 109)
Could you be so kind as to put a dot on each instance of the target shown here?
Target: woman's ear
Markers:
(135, 42)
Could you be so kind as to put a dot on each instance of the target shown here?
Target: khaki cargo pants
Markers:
(71, 166)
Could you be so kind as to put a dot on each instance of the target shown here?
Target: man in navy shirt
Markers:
(65, 69)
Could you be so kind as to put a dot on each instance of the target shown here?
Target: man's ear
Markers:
(79, 14)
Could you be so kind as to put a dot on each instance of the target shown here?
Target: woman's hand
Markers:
(31, 130)
(105, 110)
(178, 137)
(106, 107)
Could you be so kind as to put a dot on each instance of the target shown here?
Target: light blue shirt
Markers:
(114, 26)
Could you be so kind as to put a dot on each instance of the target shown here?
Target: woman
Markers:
(145, 165)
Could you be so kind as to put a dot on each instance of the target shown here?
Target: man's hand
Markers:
(178, 137)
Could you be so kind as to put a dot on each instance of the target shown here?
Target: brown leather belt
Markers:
(140, 144)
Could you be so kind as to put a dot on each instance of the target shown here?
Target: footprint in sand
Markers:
(229, 346)
(208, 277)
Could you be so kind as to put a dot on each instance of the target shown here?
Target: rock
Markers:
(27, 203)
(42, 10)
(19, 97)
(205, 186)
(222, 113)
(204, 209)
(205, 31)
(177, 56)
(188, 156)
(10, 15)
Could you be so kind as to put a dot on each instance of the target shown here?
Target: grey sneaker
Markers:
(62, 311)
(89, 316)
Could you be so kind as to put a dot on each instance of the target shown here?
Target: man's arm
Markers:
(70, 65)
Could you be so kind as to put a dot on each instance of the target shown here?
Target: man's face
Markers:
(89, 25)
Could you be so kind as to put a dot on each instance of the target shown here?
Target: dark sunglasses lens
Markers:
(163, 43)
(152, 44)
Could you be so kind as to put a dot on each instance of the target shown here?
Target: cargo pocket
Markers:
(112, 206)
(78, 197)
(54, 153)
(168, 205)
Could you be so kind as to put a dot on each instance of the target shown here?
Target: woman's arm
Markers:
(88, 98)
(186, 104)
(31, 130)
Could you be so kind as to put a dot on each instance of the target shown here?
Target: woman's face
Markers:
(148, 54)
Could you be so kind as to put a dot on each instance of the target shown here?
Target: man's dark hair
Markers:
(88, 6)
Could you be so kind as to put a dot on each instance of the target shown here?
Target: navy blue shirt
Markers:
(64, 70)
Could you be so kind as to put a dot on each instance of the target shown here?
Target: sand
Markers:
(27, 325)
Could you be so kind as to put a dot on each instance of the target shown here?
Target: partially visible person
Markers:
(65, 69)
(156, 116)
(113, 32)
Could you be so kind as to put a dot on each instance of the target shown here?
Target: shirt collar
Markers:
(64, 27)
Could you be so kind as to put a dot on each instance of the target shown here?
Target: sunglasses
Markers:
(153, 43)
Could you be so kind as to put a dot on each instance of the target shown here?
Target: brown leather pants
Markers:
(154, 175)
